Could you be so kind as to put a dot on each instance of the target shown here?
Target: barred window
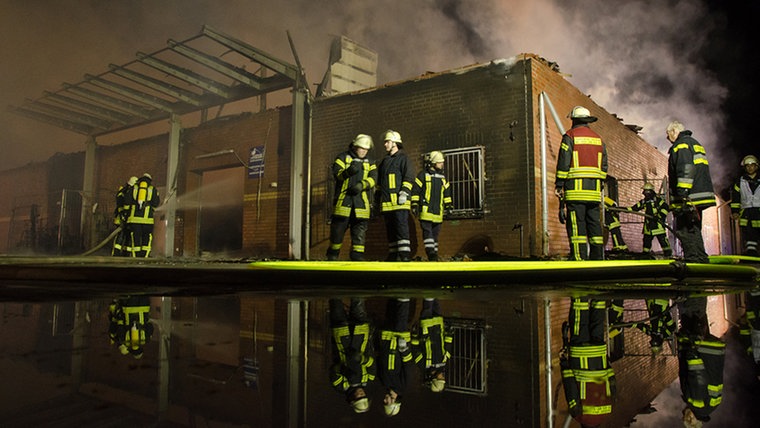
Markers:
(466, 371)
(464, 171)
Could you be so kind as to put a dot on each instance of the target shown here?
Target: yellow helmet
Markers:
(435, 157)
(363, 141)
(132, 180)
(392, 409)
(648, 186)
(361, 405)
(392, 136)
(609, 201)
(749, 159)
(437, 385)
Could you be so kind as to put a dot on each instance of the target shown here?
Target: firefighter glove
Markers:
(402, 197)
(356, 188)
(354, 168)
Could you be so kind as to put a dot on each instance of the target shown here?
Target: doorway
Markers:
(221, 211)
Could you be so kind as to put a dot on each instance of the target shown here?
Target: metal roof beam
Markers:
(109, 100)
(188, 76)
(95, 110)
(67, 114)
(61, 123)
(136, 95)
(254, 54)
(237, 73)
(157, 85)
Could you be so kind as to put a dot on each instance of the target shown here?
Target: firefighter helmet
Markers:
(392, 409)
(437, 385)
(749, 159)
(132, 180)
(361, 405)
(435, 157)
(392, 136)
(363, 141)
(609, 201)
(148, 176)
(582, 114)
(648, 186)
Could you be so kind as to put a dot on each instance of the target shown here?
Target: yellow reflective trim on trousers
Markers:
(597, 410)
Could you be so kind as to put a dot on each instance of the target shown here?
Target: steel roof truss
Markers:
(109, 101)
(227, 69)
(68, 114)
(157, 85)
(254, 54)
(188, 76)
(61, 123)
(95, 110)
(134, 94)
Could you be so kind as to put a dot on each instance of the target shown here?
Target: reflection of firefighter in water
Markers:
(353, 367)
(432, 344)
(749, 329)
(144, 201)
(129, 324)
(587, 377)
(395, 361)
(701, 357)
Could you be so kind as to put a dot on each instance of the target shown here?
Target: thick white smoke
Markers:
(637, 58)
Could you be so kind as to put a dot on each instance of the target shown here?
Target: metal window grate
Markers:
(466, 371)
(464, 171)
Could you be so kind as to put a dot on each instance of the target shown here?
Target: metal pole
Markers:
(61, 219)
(548, 362)
(544, 200)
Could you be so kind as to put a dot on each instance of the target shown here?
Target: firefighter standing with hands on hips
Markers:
(581, 171)
(431, 196)
(354, 176)
(745, 205)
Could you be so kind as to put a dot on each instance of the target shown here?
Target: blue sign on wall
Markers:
(256, 162)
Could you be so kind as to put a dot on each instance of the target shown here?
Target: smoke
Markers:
(639, 59)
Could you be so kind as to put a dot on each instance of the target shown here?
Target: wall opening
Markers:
(221, 210)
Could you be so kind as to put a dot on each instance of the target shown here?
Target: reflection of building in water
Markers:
(496, 370)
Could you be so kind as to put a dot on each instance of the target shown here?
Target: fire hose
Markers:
(103, 243)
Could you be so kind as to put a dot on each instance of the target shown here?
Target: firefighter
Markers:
(431, 196)
(355, 175)
(581, 171)
(395, 360)
(656, 211)
(143, 203)
(432, 343)
(587, 377)
(120, 213)
(353, 367)
(612, 221)
(745, 205)
(749, 329)
(395, 182)
(701, 357)
(129, 324)
(661, 324)
(691, 190)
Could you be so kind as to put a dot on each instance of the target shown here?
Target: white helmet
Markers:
(435, 157)
(392, 409)
(392, 136)
(749, 159)
(148, 176)
(361, 405)
(132, 180)
(363, 141)
(582, 114)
